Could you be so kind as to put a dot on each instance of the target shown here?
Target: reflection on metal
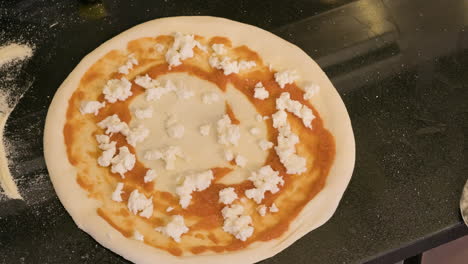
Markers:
(464, 204)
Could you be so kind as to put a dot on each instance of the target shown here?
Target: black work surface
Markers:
(400, 66)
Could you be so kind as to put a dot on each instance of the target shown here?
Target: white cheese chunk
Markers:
(265, 179)
(112, 124)
(230, 66)
(210, 97)
(143, 113)
(284, 102)
(116, 195)
(157, 92)
(169, 209)
(175, 228)
(261, 118)
(123, 162)
(205, 130)
(107, 155)
(218, 49)
(260, 92)
(191, 183)
(236, 223)
(138, 204)
(285, 77)
(310, 90)
(273, 208)
(241, 161)
(146, 82)
(137, 134)
(286, 151)
(228, 134)
(150, 176)
(262, 209)
(138, 236)
(181, 49)
(159, 47)
(168, 155)
(125, 69)
(91, 107)
(228, 155)
(227, 195)
(254, 131)
(265, 144)
(117, 90)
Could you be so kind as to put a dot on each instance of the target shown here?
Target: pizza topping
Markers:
(193, 182)
(181, 49)
(285, 77)
(228, 134)
(125, 69)
(137, 134)
(117, 90)
(230, 66)
(205, 130)
(112, 124)
(143, 113)
(241, 161)
(117, 192)
(175, 228)
(260, 92)
(138, 236)
(265, 144)
(254, 131)
(169, 209)
(109, 149)
(154, 90)
(228, 155)
(159, 47)
(146, 82)
(173, 128)
(91, 107)
(218, 49)
(236, 223)
(286, 151)
(273, 208)
(123, 162)
(262, 209)
(227, 195)
(265, 179)
(284, 102)
(209, 98)
(168, 155)
(138, 204)
(310, 90)
(150, 176)
(261, 118)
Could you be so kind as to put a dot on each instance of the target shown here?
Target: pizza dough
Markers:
(282, 55)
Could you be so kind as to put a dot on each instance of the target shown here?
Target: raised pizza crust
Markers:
(328, 103)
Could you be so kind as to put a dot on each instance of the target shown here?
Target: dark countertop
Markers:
(400, 67)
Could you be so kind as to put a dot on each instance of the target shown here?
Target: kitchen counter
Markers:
(400, 66)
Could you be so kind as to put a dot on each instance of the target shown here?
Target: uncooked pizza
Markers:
(194, 139)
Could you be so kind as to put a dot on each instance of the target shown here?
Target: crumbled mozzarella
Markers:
(260, 92)
(310, 90)
(218, 49)
(265, 144)
(241, 161)
(159, 47)
(116, 195)
(280, 118)
(138, 204)
(229, 66)
(112, 124)
(236, 223)
(262, 210)
(228, 155)
(285, 77)
(227, 195)
(175, 228)
(205, 130)
(138, 236)
(125, 69)
(169, 209)
(157, 92)
(146, 82)
(104, 142)
(265, 179)
(227, 132)
(106, 157)
(150, 176)
(261, 118)
(284, 102)
(117, 90)
(137, 134)
(168, 155)
(254, 131)
(273, 208)
(181, 49)
(143, 113)
(193, 182)
(286, 151)
(210, 97)
(91, 107)
(123, 162)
